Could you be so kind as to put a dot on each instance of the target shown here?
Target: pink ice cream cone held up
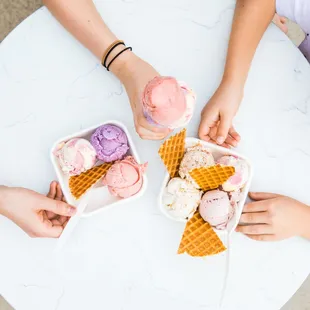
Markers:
(168, 103)
(125, 178)
(110, 143)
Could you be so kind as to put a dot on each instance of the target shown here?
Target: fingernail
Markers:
(71, 210)
(220, 140)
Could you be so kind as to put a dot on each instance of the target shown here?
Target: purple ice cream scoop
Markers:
(110, 143)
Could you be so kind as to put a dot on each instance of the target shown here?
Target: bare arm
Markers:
(251, 20)
(82, 20)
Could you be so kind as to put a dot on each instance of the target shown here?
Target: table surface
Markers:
(125, 258)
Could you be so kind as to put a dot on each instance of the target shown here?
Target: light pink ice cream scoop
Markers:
(125, 178)
(168, 103)
(76, 156)
(215, 208)
(241, 175)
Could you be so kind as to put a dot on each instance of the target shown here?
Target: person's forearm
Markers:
(251, 20)
(2, 196)
(305, 225)
(82, 20)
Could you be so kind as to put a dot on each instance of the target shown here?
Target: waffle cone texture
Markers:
(80, 184)
(199, 239)
(209, 178)
(172, 152)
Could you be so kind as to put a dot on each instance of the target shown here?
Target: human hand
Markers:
(280, 21)
(135, 73)
(37, 215)
(274, 217)
(217, 116)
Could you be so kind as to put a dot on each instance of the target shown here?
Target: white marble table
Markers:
(125, 258)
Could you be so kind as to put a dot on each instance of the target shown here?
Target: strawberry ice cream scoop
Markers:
(215, 208)
(125, 178)
(76, 156)
(168, 103)
(241, 175)
(110, 143)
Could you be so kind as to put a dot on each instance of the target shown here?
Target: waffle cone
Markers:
(79, 184)
(199, 239)
(209, 178)
(172, 151)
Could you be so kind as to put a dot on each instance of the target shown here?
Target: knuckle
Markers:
(249, 218)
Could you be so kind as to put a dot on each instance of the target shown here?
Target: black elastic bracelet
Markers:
(110, 51)
(125, 49)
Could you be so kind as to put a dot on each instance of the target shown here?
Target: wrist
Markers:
(305, 223)
(122, 65)
(233, 81)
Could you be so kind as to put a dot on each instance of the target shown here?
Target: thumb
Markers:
(59, 207)
(263, 196)
(223, 129)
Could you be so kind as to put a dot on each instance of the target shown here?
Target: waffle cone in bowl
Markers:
(172, 152)
(199, 239)
(80, 184)
(209, 178)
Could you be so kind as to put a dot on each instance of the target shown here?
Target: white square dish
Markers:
(99, 196)
(217, 151)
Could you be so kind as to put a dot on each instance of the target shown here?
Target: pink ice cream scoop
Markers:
(110, 143)
(238, 180)
(215, 208)
(168, 103)
(75, 156)
(125, 178)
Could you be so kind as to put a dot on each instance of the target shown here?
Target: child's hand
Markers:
(280, 21)
(37, 215)
(273, 217)
(217, 116)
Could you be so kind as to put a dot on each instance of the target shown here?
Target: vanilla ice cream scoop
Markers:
(76, 156)
(241, 175)
(216, 209)
(168, 103)
(181, 199)
(195, 157)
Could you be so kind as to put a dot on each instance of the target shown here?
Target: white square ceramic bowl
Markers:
(217, 152)
(99, 196)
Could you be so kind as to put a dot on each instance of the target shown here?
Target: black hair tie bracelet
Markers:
(110, 50)
(124, 50)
